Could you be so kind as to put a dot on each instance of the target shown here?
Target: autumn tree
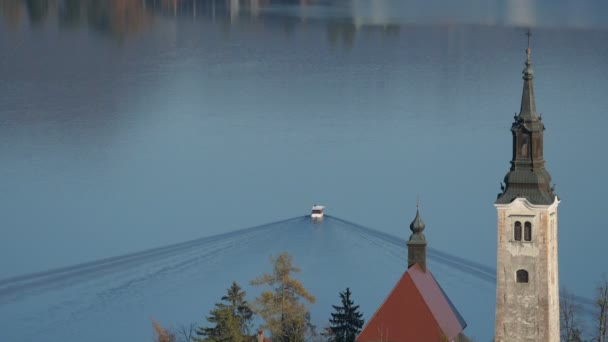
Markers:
(285, 315)
(231, 318)
(346, 322)
(161, 334)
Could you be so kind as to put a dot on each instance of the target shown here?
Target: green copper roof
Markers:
(531, 185)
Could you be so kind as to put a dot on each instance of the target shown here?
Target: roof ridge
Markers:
(432, 303)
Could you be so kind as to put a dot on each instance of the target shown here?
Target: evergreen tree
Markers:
(346, 322)
(284, 314)
(602, 310)
(231, 318)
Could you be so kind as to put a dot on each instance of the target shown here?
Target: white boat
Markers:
(317, 212)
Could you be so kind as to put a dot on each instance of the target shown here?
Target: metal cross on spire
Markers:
(528, 50)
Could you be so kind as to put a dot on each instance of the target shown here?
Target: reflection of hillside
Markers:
(119, 18)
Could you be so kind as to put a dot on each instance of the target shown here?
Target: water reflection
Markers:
(116, 17)
(12, 11)
(37, 10)
(343, 18)
(123, 16)
(119, 18)
(70, 13)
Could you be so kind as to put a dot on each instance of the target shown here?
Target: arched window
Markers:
(528, 231)
(522, 276)
(517, 233)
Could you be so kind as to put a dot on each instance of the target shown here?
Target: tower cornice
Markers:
(524, 203)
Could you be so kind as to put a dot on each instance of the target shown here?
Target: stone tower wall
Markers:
(527, 311)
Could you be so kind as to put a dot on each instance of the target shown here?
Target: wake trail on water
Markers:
(20, 286)
(478, 270)
(481, 271)
(127, 273)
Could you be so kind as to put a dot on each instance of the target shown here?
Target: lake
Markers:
(127, 125)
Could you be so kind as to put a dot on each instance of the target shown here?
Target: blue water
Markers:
(126, 128)
(176, 284)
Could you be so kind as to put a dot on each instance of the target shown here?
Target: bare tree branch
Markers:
(570, 323)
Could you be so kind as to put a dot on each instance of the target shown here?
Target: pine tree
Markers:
(602, 310)
(231, 318)
(346, 322)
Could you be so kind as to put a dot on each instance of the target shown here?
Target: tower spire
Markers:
(528, 105)
(527, 177)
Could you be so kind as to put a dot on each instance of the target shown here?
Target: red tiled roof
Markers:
(416, 310)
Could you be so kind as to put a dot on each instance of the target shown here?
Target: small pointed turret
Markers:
(416, 245)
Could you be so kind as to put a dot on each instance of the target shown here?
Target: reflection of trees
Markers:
(70, 13)
(344, 30)
(12, 10)
(198, 9)
(99, 15)
(117, 17)
(37, 10)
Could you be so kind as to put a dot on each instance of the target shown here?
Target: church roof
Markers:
(531, 185)
(417, 309)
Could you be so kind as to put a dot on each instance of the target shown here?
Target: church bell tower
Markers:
(527, 290)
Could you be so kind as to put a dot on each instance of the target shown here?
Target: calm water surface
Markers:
(126, 125)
